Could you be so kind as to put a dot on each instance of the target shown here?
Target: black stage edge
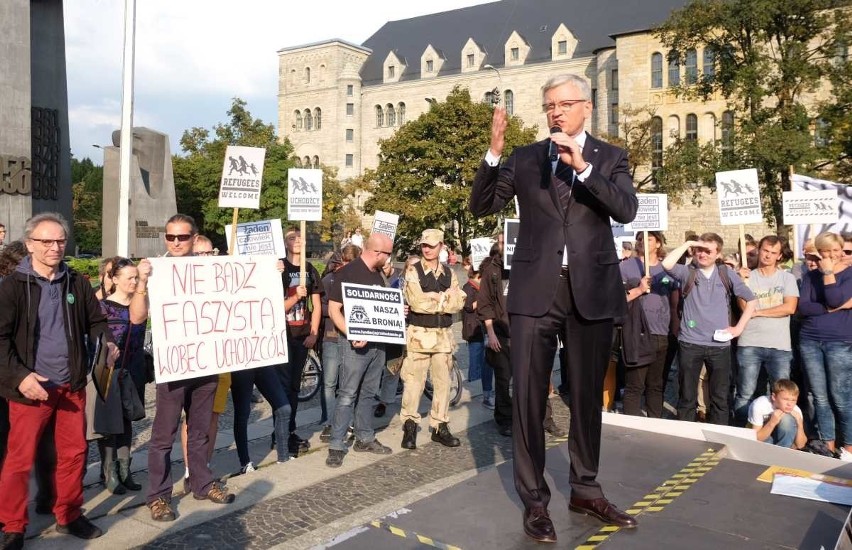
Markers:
(701, 503)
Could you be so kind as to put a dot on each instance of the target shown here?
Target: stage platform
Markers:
(685, 493)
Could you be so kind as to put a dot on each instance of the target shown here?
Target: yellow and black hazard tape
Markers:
(663, 495)
(411, 535)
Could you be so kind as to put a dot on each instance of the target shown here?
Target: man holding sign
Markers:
(362, 362)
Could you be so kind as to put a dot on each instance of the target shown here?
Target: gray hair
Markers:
(577, 81)
(54, 217)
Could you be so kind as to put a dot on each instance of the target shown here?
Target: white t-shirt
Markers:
(761, 409)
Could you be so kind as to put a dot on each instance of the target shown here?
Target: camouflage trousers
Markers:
(413, 375)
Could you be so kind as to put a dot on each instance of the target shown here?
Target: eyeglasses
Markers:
(182, 238)
(48, 243)
(214, 252)
(563, 106)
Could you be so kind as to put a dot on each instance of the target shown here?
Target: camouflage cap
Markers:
(432, 237)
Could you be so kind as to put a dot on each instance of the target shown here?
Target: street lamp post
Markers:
(496, 91)
(126, 145)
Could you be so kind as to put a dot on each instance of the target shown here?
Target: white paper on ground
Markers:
(811, 489)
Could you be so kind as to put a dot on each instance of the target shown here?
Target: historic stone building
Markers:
(337, 100)
(35, 151)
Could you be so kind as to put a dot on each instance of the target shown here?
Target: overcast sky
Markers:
(193, 56)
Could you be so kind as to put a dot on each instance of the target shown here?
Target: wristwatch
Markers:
(828, 272)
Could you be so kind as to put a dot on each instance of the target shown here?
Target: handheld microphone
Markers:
(554, 149)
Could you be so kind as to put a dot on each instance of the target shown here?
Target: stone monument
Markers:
(152, 193)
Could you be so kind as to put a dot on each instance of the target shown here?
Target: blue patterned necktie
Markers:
(564, 180)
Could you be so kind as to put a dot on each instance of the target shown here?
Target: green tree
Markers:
(770, 56)
(87, 203)
(198, 172)
(427, 168)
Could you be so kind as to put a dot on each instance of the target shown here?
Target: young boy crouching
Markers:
(777, 419)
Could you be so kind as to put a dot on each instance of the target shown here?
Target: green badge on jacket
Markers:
(69, 298)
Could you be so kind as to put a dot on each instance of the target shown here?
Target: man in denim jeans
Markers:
(361, 362)
(765, 342)
(705, 331)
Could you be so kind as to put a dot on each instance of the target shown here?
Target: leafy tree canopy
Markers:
(771, 57)
(87, 203)
(427, 168)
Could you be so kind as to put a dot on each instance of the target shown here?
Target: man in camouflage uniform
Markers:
(433, 295)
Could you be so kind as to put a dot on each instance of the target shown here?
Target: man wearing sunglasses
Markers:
(195, 396)
(46, 313)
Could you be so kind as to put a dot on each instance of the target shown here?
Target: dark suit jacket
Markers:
(545, 230)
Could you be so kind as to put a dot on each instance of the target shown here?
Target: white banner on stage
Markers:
(258, 238)
(215, 314)
(738, 192)
(304, 194)
(374, 313)
(242, 174)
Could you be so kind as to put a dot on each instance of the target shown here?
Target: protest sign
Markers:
(374, 313)
(843, 223)
(385, 222)
(258, 238)
(510, 238)
(806, 207)
(739, 197)
(621, 233)
(242, 174)
(304, 194)
(653, 213)
(215, 314)
(480, 249)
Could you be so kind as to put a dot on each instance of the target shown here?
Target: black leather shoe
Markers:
(604, 510)
(537, 525)
(409, 435)
(12, 541)
(504, 429)
(81, 528)
(442, 435)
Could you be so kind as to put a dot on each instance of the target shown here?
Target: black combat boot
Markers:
(442, 435)
(409, 434)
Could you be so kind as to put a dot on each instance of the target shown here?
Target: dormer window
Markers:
(516, 54)
(563, 47)
(391, 71)
(430, 66)
(470, 60)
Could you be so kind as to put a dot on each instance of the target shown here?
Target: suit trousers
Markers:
(589, 345)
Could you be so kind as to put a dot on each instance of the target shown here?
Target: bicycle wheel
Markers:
(455, 385)
(311, 377)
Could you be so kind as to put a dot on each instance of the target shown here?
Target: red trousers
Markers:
(27, 424)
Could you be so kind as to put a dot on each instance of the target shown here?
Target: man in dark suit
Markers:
(565, 281)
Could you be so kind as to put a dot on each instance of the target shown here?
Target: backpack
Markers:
(733, 307)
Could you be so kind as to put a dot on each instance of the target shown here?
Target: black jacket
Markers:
(490, 302)
(637, 344)
(19, 299)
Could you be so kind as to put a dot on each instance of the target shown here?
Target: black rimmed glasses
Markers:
(214, 252)
(181, 238)
(48, 243)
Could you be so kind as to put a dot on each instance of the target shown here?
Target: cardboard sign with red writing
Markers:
(215, 314)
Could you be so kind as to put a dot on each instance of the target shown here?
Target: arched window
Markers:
(691, 66)
(298, 162)
(309, 120)
(292, 76)
(709, 65)
(316, 162)
(674, 69)
(391, 115)
(307, 162)
(691, 127)
(318, 118)
(307, 75)
(322, 73)
(400, 113)
(674, 127)
(489, 98)
(380, 116)
(509, 98)
(657, 70)
(656, 143)
(298, 115)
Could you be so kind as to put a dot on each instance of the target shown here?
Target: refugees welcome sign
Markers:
(215, 314)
